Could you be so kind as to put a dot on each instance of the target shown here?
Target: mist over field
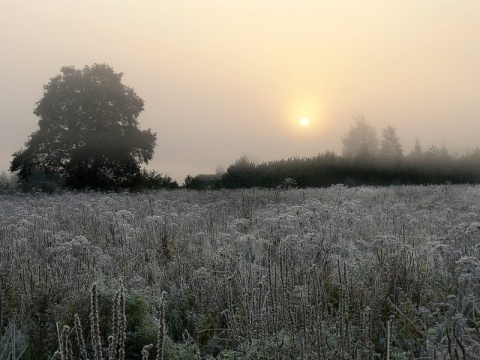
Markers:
(222, 79)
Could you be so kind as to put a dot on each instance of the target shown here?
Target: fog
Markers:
(222, 79)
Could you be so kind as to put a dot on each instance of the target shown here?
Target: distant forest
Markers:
(364, 161)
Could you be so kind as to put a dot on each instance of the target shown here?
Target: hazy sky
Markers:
(226, 78)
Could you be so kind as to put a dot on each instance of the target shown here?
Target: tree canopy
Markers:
(390, 147)
(360, 141)
(88, 132)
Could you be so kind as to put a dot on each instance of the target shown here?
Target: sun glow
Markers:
(305, 116)
(304, 121)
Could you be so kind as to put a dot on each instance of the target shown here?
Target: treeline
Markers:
(328, 168)
(364, 161)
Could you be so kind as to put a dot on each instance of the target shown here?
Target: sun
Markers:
(304, 121)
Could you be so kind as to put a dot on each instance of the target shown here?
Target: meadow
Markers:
(332, 273)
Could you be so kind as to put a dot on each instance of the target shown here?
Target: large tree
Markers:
(360, 141)
(390, 147)
(417, 151)
(88, 132)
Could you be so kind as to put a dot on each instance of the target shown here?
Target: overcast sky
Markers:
(226, 78)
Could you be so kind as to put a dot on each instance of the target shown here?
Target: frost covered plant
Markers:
(161, 328)
(366, 351)
(80, 338)
(66, 352)
(122, 322)
(113, 339)
(13, 343)
(289, 183)
(94, 324)
(116, 341)
(146, 351)
(249, 269)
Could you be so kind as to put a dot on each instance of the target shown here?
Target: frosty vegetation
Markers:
(337, 273)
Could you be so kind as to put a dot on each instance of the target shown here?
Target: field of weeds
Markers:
(337, 273)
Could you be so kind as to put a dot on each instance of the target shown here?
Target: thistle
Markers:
(122, 322)
(113, 339)
(161, 328)
(94, 324)
(79, 337)
(66, 352)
